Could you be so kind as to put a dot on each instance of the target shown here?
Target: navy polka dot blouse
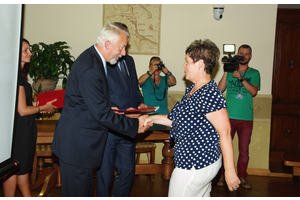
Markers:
(196, 140)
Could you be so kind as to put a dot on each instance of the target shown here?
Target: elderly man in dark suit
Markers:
(82, 129)
(119, 151)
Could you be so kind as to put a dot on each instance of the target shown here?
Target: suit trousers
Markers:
(76, 181)
(119, 154)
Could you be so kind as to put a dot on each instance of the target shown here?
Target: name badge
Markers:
(239, 96)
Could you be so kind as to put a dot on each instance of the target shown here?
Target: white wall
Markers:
(181, 24)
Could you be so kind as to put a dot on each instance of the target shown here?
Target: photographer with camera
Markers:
(241, 85)
(155, 87)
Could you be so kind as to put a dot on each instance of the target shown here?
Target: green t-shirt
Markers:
(157, 96)
(239, 100)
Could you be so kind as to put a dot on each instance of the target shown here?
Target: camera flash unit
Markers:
(229, 48)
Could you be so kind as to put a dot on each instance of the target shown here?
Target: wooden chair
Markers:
(42, 151)
(49, 176)
(43, 145)
(145, 147)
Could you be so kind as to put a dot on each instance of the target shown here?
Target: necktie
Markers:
(124, 71)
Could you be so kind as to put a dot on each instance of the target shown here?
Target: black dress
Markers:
(26, 133)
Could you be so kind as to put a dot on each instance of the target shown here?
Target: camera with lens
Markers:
(231, 64)
(160, 65)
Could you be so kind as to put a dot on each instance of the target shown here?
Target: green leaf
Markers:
(50, 61)
(64, 83)
(40, 88)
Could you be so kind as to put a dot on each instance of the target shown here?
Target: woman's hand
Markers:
(232, 180)
(48, 107)
(149, 120)
(165, 70)
(152, 69)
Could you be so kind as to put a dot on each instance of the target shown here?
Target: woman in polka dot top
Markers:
(200, 127)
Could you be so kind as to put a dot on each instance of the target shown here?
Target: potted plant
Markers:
(50, 62)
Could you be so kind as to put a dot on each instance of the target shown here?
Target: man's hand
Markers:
(132, 115)
(237, 74)
(115, 109)
(142, 105)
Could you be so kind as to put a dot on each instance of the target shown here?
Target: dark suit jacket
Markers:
(81, 131)
(121, 95)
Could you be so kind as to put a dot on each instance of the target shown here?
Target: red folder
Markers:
(45, 97)
(139, 111)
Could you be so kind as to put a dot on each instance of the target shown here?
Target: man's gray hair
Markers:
(110, 32)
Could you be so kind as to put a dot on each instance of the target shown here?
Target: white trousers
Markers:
(193, 183)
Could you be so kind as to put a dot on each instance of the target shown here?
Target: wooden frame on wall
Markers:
(143, 22)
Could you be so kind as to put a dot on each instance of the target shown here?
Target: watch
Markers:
(241, 80)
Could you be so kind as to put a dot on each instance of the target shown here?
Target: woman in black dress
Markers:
(26, 130)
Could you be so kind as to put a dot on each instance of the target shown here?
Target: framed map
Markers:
(143, 22)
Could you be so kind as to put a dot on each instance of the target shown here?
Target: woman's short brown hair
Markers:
(205, 50)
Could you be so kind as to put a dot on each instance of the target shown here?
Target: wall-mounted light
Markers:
(218, 12)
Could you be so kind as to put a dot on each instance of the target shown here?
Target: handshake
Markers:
(145, 122)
